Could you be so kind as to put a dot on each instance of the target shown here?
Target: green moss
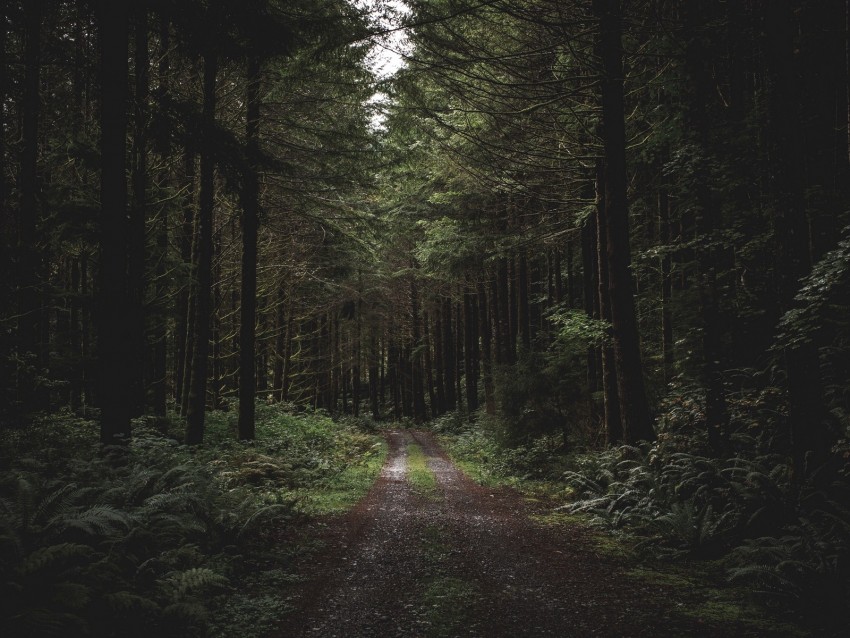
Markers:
(419, 476)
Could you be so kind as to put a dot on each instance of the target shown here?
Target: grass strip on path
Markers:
(419, 476)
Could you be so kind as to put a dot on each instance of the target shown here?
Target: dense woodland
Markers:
(604, 228)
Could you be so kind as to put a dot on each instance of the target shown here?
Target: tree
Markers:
(115, 322)
(634, 410)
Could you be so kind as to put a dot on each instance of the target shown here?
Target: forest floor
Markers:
(428, 552)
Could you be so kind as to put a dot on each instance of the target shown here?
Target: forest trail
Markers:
(464, 560)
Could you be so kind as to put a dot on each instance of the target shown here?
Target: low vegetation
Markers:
(161, 537)
(740, 521)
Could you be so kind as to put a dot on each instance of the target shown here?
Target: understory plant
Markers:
(785, 540)
(155, 538)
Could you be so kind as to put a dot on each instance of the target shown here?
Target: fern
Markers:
(181, 584)
(55, 558)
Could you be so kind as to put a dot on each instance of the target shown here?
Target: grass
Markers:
(419, 476)
(340, 492)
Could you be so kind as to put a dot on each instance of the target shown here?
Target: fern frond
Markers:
(194, 579)
(55, 557)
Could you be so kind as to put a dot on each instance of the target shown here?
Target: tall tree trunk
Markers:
(196, 408)
(429, 365)
(374, 372)
(76, 338)
(279, 342)
(250, 222)
(634, 409)
(666, 286)
(592, 291)
(184, 316)
(29, 305)
(439, 366)
(114, 322)
(159, 332)
(486, 349)
(806, 410)
(505, 321)
(416, 356)
(449, 355)
(610, 390)
(287, 353)
(524, 315)
(470, 336)
(138, 212)
(705, 213)
(460, 368)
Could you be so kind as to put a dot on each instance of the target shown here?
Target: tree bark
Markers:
(610, 390)
(159, 329)
(250, 223)
(449, 355)
(486, 332)
(114, 322)
(138, 212)
(29, 305)
(634, 409)
(470, 336)
(196, 408)
(802, 363)
(705, 214)
(183, 324)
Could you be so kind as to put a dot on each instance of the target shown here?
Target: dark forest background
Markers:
(604, 243)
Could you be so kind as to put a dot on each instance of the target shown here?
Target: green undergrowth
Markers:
(161, 539)
(342, 491)
(743, 545)
(420, 477)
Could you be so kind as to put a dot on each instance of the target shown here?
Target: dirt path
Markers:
(465, 560)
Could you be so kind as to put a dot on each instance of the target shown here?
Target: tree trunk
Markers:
(610, 391)
(159, 330)
(459, 352)
(196, 408)
(470, 336)
(524, 317)
(183, 324)
(592, 292)
(705, 214)
(806, 413)
(439, 366)
(138, 213)
(114, 322)
(374, 374)
(634, 409)
(449, 355)
(486, 349)
(668, 353)
(250, 222)
(29, 305)
(429, 366)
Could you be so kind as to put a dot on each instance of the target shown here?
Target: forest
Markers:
(424, 318)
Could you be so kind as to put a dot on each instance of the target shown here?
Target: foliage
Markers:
(785, 540)
(160, 537)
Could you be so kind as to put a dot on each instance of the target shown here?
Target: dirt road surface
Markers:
(465, 560)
